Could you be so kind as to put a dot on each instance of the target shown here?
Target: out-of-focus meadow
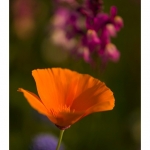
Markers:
(30, 48)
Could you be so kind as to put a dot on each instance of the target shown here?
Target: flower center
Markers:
(61, 109)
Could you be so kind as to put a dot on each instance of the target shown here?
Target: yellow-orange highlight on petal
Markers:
(66, 96)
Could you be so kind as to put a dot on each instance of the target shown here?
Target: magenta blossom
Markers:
(91, 30)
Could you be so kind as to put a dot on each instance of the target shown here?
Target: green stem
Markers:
(60, 138)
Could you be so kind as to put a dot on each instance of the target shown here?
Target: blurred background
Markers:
(30, 48)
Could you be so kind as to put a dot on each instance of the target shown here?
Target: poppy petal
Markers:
(55, 86)
(46, 87)
(108, 104)
(34, 101)
(80, 84)
(85, 82)
(95, 95)
(65, 84)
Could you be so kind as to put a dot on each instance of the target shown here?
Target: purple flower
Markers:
(116, 20)
(108, 26)
(91, 40)
(111, 53)
(60, 18)
(58, 34)
(44, 142)
(91, 30)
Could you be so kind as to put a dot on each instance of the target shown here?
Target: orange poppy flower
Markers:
(66, 96)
